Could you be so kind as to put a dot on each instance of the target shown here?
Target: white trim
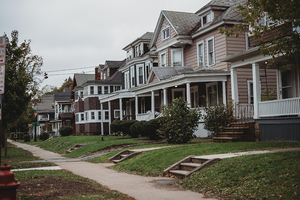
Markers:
(165, 28)
(172, 57)
(249, 90)
(132, 76)
(126, 80)
(115, 113)
(207, 50)
(178, 90)
(138, 66)
(198, 58)
(165, 59)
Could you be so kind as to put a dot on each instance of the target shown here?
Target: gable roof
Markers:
(46, 104)
(145, 37)
(62, 96)
(116, 78)
(182, 22)
(113, 64)
(82, 78)
(168, 72)
(220, 3)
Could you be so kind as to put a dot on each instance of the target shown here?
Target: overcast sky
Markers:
(71, 34)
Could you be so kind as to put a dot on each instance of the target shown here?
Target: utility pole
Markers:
(2, 84)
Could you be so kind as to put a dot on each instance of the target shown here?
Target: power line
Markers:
(64, 74)
(60, 70)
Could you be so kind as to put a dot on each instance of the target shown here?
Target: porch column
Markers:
(109, 117)
(234, 85)
(224, 92)
(136, 106)
(188, 94)
(256, 89)
(165, 97)
(153, 104)
(121, 109)
(102, 129)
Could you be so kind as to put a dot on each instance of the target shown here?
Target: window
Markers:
(206, 19)
(99, 89)
(87, 116)
(101, 75)
(132, 77)
(178, 92)
(92, 115)
(104, 76)
(92, 90)
(107, 71)
(82, 117)
(76, 117)
(106, 115)
(177, 57)
(117, 113)
(165, 33)
(140, 75)
(76, 96)
(250, 91)
(286, 84)
(105, 89)
(212, 93)
(99, 115)
(200, 53)
(163, 60)
(143, 108)
(126, 80)
(81, 94)
(194, 96)
(117, 88)
(210, 51)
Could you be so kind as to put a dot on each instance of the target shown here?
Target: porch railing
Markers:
(279, 107)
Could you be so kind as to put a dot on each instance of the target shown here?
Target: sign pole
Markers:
(2, 85)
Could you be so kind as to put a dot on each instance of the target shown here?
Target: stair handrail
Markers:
(224, 114)
(243, 115)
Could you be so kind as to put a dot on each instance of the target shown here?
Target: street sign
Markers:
(2, 63)
(34, 124)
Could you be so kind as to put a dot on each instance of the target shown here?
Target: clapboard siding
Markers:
(159, 42)
(236, 44)
(245, 74)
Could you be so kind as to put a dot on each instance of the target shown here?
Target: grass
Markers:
(94, 144)
(61, 185)
(263, 176)
(152, 163)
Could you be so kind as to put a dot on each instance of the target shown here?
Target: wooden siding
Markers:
(80, 128)
(190, 52)
(91, 103)
(159, 41)
(79, 106)
(245, 74)
(266, 37)
(93, 128)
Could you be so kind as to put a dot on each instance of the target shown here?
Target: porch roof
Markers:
(247, 57)
(116, 95)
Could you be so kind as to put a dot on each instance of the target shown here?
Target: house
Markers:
(91, 116)
(45, 113)
(63, 111)
(278, 117)
(182, 60)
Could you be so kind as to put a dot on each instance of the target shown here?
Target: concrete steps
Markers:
(124, 155)
(189, 165)
(77, 146)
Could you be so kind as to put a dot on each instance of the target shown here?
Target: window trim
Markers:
(176, 90)
(93, 115)
(203, 56)
(207, 50)
(163, 31)
(138, 75)
(115, 114)
(99, 114)
(92, 90)
(106, 111)
(127, 80)
(165, 59)
(172, 56)
(100, 90)
(132, 76)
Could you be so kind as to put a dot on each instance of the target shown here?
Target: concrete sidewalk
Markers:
(138, 187)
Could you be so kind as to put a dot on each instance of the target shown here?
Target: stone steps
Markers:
(124, 155)
(189, 165)
(77, 146)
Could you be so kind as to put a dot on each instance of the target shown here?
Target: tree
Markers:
(67, 84)
(179, 122)
(21, 84)
(285, 15)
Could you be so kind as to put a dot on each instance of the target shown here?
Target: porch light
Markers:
(266, 62)
(175, 85)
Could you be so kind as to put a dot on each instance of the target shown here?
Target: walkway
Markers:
(139, 187)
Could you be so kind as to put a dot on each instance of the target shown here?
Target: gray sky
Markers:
(71, 34)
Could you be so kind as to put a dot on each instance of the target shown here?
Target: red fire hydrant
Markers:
(8, 185)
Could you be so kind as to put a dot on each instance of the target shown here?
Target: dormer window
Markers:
(206, 19)
(165, 33)
(107, 71)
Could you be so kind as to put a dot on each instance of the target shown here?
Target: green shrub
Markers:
(179, 122)
(26, 138)
(138, 128)
(151, 128)
(44, 136)
(125, 127)
(116, 126)
(217, 116)
(65, 131)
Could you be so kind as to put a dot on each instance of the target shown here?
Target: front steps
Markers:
(189, 165)
(236, 132)
(124, 155)
(77, 146)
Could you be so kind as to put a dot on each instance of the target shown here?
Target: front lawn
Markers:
(262, 176)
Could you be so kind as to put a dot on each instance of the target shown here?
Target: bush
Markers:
(138, 128)
(179, 122)
(26, 138)
(213, 112)
(151, 128)
(44, 136)
(65, 131)
(116, 126)
(122, 126)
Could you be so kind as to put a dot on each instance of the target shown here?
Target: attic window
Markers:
(206, 19)
(166, 33)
